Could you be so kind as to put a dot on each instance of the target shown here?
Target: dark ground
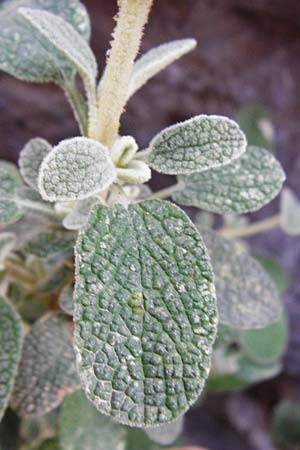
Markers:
(248, 53)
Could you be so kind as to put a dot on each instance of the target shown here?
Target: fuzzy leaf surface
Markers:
(166, 434)
(156, 60)
(78, 216)
(25, 53)
(7, 243)
(75, 169)
(145, 312)
(198, 144)
(247, 297)
(10, 350)
(83, 427)
(289, 212)
(31, 158)
(65, 39)
(47, 369)
(242, 186)
(48, 243)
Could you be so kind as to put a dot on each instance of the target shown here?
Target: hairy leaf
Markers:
(47, 370)
(78, 216)
(10, 182)
(166, 434)
(31, 203)
(198, 144)
(65, 39)
(48, 243)
(75, 169)
(83, 427)
(156, 60)
(66, 300)
(135, 172)
(7, 243)
(247, 297)
(31, 158)
(145, 312)
(25, 53)
(244, 185)
(289, 212)
(275, 271)
(10, 350)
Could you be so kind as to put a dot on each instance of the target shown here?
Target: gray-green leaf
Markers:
(66, 39)
(198, 144)
(47, 370)
(145, 312)
(31, 158)
(65, 300)
(83, 427)
(289, 212)
(7, 243)
(75, 169)
(244, 185)
(25, 53)
(166, 434)
(247, 297)
(10, 182)
(49, 243)
(10, 350)
(78, 216)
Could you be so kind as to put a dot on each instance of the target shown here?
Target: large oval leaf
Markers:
(242, 186)
(25, 53)
(145, 312)
(47, 370)
(10, 350)
(247, 297)
(198, 144)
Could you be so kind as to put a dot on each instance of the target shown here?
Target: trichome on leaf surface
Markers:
(127, 332)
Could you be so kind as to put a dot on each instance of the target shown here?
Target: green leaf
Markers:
(275, 271)
(59, 276)
(31, 158)
(166, 434)
(49, 243)
(75, 169)
(156, 60)
(252, 373)
(285, 425)
(145, 312)
(65, 39)
(30, 203)
(257, 126)
(10, 350)
(65, 300)
(247, 297)
(10, 179)
(78, 216)
(83, 427)
(7, 243)
(196, 145)
(9, 212)
(244, 185)
(266, 346)
(47, 370)
(50, 444)
(289, 212)
(25, 53)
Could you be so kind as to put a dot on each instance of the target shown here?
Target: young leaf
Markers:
(75, 169)
(156, 60)
(135, 172)
(47, 370)
(25, 53)
(244, 185)
(66, 300)
(247, 297)
(145, 312)
(10, 350)
(49, 243)
(78, 216)
(7, 243)
(83, 427)
(289, 212)
(196, 145)
(167, 434)
(65, 39)
(31, 158)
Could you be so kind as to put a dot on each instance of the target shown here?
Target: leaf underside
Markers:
(31, 158)
(10, 350)
(145, 312)
(247, 297)
(242, 186)
(47, 369)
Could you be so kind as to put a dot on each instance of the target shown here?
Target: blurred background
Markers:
(247, 62)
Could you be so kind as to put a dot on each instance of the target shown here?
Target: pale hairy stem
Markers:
(112, 91)
(78, 106)
(166, 192)
(251, 229)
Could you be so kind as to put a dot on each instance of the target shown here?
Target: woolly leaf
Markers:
(145, 312)
(10, 350)
(65, 39)
(83, 427)
(244, 185)
(48, 243)
(135, 172)
(275, 271)
(196, 145)
(7, 243)
(247, 297)
(47, 370)
(167, 434)
(75, 169)
(78, 216)
(30, 203)
(289, 212)
(25, 53)
(66, 300)
(10, 179)
(9, 212)
(31, 158)
(156, 60)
